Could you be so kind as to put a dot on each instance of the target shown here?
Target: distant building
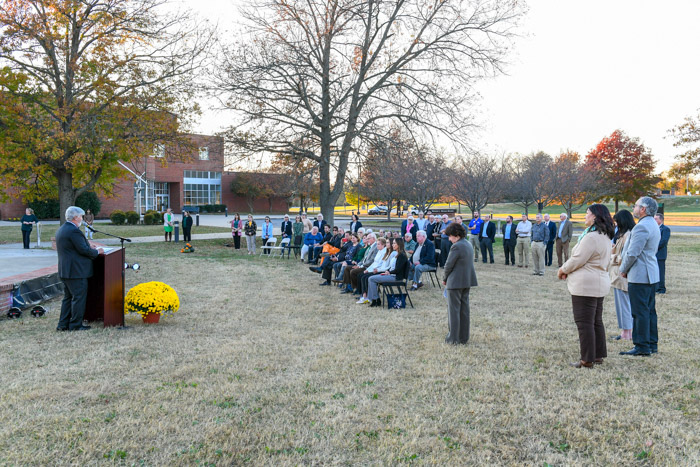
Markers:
(196, 180)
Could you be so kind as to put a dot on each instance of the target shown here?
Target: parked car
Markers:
(377, 210)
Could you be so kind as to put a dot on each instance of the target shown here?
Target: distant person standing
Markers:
(28, 221)
(475, 234)
(251, 229)
(564, 234)
(549, 247)
(487, 237)
(444, 240)
(640, 267)
(624, 221)
(237, 231)
(168, 220)
(187, 226)
(509, 240)
(540, 237)
(266, 234)
(74, 268)
(88, 219)
(459, 278)
(523, 230)
(662, 252)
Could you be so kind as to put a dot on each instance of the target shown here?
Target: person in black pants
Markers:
(509, 240)
(28, 222)
(74, 268)
(549, 247)
(187, 226)
(487, 237)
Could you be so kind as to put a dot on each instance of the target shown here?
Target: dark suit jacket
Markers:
(430, 229)
(286, 228)
(513, 235)
(552, 231)
(74, 253)
(427, 253)
(459, 268)
(414, 229)
(356, 227)
(322, 226)
(662, 253)
(490, 231)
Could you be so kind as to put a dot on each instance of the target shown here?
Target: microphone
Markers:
(90, 228)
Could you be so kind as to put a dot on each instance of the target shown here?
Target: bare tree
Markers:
(423, 173)
(478, 180)
(312, 76)
(531, 181)
(379, 182)
(576, 183)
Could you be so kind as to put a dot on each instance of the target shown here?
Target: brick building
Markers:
(154, 182)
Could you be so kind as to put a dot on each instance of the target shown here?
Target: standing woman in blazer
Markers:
(187, 226)
(251, 228)
(586, 274)
(355, 223)
(459, 277)
(237, 231)
(625, 223)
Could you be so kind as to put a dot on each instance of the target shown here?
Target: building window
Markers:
(158, 150)
(204, 153)
(202, 187)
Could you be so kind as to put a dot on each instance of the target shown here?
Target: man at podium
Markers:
(74, 268)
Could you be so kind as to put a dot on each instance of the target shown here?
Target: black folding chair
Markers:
(397, 287)
(434, 277)
(296, 246)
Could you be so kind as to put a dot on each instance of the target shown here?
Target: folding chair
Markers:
(270, 245)
(434, 276)
(296, 246)
(275, 249)
(397, 287)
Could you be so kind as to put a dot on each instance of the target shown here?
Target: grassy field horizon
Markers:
(263, 366)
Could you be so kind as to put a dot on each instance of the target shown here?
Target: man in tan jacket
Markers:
(564, 234)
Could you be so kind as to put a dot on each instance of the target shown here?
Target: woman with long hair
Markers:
(586, 275)
(355, 223)
(381, 263)
(625, 223)
(397, 272)
(236, 230)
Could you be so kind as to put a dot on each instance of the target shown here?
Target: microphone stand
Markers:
(122, 240)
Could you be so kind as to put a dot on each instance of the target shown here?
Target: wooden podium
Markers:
(105, 299)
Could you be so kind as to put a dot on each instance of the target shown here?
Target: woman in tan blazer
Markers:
(586, 274)
(625, 223)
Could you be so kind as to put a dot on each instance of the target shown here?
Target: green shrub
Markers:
(155, 218)
(46, 209)
(117, 217)
(148, 218)
(132, 217)
(89, 200)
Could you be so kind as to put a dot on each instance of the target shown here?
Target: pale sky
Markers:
(579, 71)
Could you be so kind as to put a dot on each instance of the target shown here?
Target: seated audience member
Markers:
(422, 260)
(326, 268)
(409, 244)
(396, 272)
(311, 239)
(381, 263)
(327, 237)
(352, 273)
(409, 225)
(353, 256)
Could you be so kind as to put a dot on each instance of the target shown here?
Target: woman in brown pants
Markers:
(586, 274)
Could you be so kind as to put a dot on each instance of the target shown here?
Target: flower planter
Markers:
(151, 318)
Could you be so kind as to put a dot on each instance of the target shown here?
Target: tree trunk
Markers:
(249, 201)
(617, 202)
(66, 193)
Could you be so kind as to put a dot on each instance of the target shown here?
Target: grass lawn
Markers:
(12, 234)
(263, 366)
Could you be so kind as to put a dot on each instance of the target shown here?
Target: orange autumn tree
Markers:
(626, 167)
(85, 84)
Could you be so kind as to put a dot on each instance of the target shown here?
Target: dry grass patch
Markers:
(263, 366)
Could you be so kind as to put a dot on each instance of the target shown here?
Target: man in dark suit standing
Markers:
(549, 247)
(662, 253)
(74, 268)
(509, 240)
(458, 279)
(487, 237)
